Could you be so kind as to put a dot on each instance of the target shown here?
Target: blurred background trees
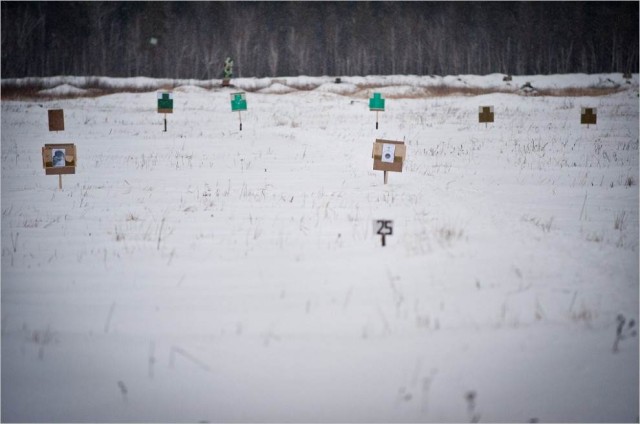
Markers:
(192, 39)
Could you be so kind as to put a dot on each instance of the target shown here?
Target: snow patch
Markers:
(276, 88)
(63, 90)
(342, 88)
(190, 89)
(204, 259)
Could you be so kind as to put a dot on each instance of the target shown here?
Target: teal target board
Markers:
(376, 102)
(238, 102)
(165, 102)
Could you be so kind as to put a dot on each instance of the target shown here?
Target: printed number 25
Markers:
(385, 227)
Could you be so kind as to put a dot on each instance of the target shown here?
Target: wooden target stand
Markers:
(388, 156)
(60, 158)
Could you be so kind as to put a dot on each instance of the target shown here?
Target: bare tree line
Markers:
(192, 39)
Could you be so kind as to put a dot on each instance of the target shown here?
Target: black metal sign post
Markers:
(165, 105)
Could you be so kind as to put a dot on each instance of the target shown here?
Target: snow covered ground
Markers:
(207, 274)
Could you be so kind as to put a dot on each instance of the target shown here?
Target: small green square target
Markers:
(165, 102)
(376, 102)
(238, 102)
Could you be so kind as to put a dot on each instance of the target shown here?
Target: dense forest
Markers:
(192, 39)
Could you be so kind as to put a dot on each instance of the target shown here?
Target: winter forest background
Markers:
(192, 39)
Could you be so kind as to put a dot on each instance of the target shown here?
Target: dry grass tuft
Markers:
(444, 91)
(579, 91)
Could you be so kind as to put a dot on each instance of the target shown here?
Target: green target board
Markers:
(376, 102)
(165, 102)
(238, 102)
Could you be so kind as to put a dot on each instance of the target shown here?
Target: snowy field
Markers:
(207, 274)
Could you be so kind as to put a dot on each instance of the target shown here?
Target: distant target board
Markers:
(56, 120)
(589, 116)
(238, 104)
(59, 159)
(376, 103)
(165, 102)
(486, 114)
(388, 156)
(165, 105)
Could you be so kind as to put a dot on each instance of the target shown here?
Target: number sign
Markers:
(383, 227)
